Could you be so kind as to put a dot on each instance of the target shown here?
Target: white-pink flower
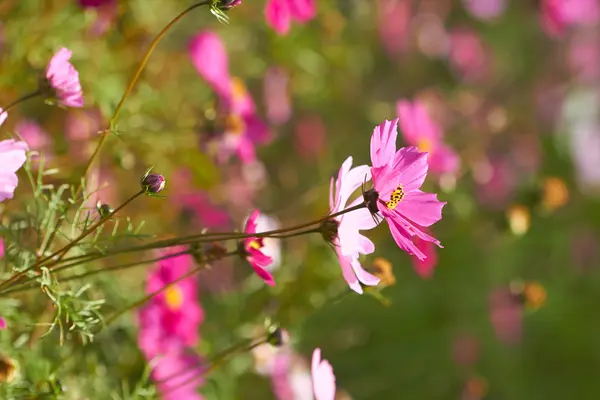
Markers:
(13, 157)
(323, 379)
(64, 79)
(3, 116)
(349, 243)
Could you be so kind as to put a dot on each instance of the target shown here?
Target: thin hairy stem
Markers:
(134, 80)
(22, 99)
(148, 297)
(72, 243)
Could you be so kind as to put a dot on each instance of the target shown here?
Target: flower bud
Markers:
(103, 209)
(8, 369)
(153, 183)
(329, 230)
(228, 4)
(278, 337)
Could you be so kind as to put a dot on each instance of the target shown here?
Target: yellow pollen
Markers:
(425, 145)
(395, 198)
(238, 89)
(235, 124)
(173, 297)
(255, 245)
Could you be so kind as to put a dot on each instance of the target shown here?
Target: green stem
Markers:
(135, 78)
(66, 248)
(22, 99)
(144, 299)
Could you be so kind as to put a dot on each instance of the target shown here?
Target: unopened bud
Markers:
(8, 369)
(153, 183)
(329, 230)
(103, 209)
(278, 337)
(228, 4)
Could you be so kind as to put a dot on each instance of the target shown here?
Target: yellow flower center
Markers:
(425, 145)
(238, 89)
(254, 245)
(395, 198)
(173, 297)
(235, 124)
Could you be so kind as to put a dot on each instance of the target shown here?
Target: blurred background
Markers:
(507, 309)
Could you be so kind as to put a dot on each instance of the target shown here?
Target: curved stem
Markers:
(144, 299)
(72, 243)
(134, 80)
(21, 100)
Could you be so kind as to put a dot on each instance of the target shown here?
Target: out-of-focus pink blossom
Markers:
(465, 350)
(419, 129)
(94, 3)
(33, 134)
(468, 56)
(290, 377)
(178, 374)
(397, 177)
(323, 378)
(2, 323)
(281, 13)
(558, 15)
(12, 154)
(349, 243)
(170, 321)
(254, 247)
(485, 9)
(64, 79)
(496, 182)
(3, 116)
(241, 128)
(271, 247)
(425, 268)
(394, 22)
(506, 316)
(277, 96)
(1, 248)
(310, 137)
(584, 56)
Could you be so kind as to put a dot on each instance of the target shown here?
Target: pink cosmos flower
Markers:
(310, 137)
(241, 129)
(425, 268)
(13, 157)
(3, 116)
(178, 375)
(558, 15)
(2, 323)
(323, 379)
(397, 177)
(349, 243)
(171, 319)
(64, 79)
(394, 24)
(485, 9)
(468, 55)
(253, 246)
(33, 134)
(420, 130)
(281, 13)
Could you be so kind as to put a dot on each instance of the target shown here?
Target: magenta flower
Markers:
(13, 157)
(36, 138)
(558, 15)
(468, 55)
(349, 243)
(3, 116)
(424, 268)
(420, 130)
(240, 128)
(171, 319)
(394, 18)
(323, 379)
(2, 323)
(178, 375)
(253, 247)
(64, 79)
(397, 177)
(281, 13)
